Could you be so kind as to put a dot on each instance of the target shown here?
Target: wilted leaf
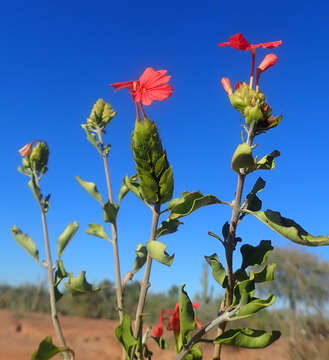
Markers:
(25, 242)
(91, 137)
(247, 338)
(79, 285)
(90, 188)
(141, 255)
(253, 306)
(157, 251)
(289, 228)
(35, 189)
(168, 227)
(186, 314)
(65, 237)
(97, 230)
(110, 212)
(255, 255)
(266, 274)
(60, 274)
(189, 202)
(218, 271)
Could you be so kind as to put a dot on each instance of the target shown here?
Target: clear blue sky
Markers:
(57, 59)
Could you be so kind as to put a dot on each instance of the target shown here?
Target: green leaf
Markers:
(65, 237)
(267, 162)
(163, 344)
(97, 230)
(255, 255)
(25, 242)
(133, 186)
(90, 188)
(242, 157)
(266, 274)
(60, 274)
(195, 353)
(218, 271)
(125, 336)
(123, 192)
(247, 338)
(289, 228)
(91, 137)
(157, 251)
(253, 306)
(243, 292)
(166, 185)
(186, 314)
(46, 350)
(168, 227)
(189, 202)
(110, 212)
(258, 186)
(141, 255)
(35, 189)
(79, 285)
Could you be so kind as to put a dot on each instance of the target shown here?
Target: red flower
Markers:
(174, 320)
(26, 149)
(227, 85)
(158, 331)
(240, 43)
(152, 85)
(269, 60)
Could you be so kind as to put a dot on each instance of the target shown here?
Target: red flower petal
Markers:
(237, 42)
(122, 85)
(158, 331)
(196, 305)
(240, 43)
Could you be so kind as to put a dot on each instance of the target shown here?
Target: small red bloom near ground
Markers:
(158, 331)
(152, 85)
(26, 149)
(239, 42)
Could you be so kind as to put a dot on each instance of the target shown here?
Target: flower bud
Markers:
(268, 61)
(39, 157)
(227, 85)
(26, 149)
(101, 114)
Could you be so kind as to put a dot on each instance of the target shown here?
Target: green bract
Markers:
(38, 157)
(153, 171)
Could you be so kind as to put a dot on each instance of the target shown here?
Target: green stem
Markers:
(231, 243)
(118, 283)
(49, 267)
(146, 279)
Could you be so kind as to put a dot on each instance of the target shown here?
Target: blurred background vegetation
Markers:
(301, 286)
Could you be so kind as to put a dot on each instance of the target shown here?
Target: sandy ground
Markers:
(91, 339)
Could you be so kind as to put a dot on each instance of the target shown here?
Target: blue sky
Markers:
(58, 59)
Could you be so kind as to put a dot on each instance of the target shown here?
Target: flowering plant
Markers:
(153, 185)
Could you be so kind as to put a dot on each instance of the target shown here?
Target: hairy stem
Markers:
(49, 267)
(146, 279)
(231, 243)
(118, 284)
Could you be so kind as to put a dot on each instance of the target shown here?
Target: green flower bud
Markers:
(39, 157)
(101, 114)
(248, 102)
(242, 157)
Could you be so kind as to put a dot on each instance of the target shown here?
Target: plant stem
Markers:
(220, 319)
(146, 279)
(118, 284)
(49, 267)
(231, 243)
